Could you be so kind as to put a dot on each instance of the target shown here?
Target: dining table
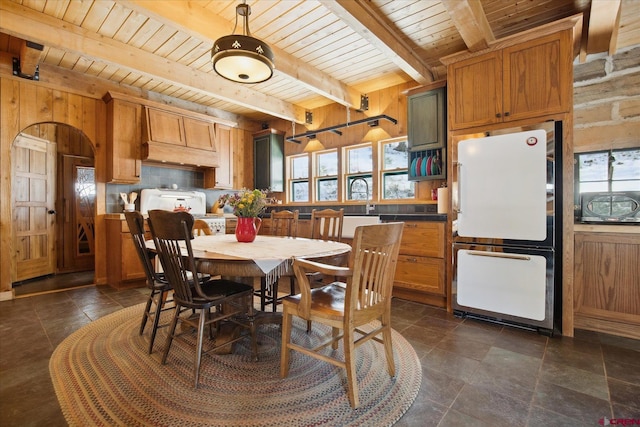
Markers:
(263, 261)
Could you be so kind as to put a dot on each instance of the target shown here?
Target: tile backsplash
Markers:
(160, 177)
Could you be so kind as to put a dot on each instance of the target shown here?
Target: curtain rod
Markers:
(335, 128)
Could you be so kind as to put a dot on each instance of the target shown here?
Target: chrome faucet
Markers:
(368, 206)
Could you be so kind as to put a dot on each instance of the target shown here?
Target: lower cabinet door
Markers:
(420, 273)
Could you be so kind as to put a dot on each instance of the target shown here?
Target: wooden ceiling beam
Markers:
(28, 24)
(30, 54)
(604, 20)
(364, 20)
(202, 24)
(471, 22)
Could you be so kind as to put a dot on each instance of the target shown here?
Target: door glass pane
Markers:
(85, 189)
(625, 165)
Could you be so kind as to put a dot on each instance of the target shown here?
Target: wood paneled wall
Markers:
(24, 103)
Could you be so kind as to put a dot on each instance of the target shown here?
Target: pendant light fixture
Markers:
(240, 57)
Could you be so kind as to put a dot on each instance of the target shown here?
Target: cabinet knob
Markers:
(498, 115)
(506, 114)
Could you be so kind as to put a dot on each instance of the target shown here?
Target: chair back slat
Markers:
(327, 224)
(374, 257)
(172, 237)
(284, 223)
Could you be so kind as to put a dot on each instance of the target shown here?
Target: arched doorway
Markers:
(53, 199)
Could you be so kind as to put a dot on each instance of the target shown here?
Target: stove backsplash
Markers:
(160, 177)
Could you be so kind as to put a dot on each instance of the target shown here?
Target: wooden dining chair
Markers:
(284, 224)
(201, 227)
(216, 300)
(158, 301)
(363, 298)
(327, 224)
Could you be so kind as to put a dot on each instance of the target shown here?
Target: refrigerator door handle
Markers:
(457, 207)
(500, 255)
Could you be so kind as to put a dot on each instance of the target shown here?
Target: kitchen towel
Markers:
(443, 200)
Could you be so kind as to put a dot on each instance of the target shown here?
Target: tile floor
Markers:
(474, 373)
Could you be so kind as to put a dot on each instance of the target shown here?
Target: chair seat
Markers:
(327, 299)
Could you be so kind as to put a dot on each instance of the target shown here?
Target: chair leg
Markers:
(388, 346)
(172, 331)
(147, 310)
(156, 318)
(350, 366)
(263, 293)
(198, 358)
(252, 328)
(308, 326)
(274, 296)
(286, 339)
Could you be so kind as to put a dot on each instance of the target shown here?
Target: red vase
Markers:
(247, 228)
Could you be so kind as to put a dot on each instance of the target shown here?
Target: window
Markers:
(359, 172)
(326, 176)
(299, 178)
(612, 170)
(393, 170)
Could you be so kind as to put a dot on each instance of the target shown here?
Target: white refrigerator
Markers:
(505, 227)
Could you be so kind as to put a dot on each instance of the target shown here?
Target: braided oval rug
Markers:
(103, 376)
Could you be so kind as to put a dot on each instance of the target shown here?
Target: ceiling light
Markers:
(240, 57)
(314, 144)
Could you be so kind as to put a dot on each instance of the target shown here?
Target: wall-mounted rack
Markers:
(335, 129)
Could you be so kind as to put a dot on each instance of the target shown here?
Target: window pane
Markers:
(327, 189)
(360, 160)
(625, 164)
(300, 168)
(327, 164)
(300, 191)
(588, 187)
(395, 155)
(593, 166)
(396, 186)
(358, 188)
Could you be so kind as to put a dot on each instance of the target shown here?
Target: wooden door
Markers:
(224, 172)
(537, 77)
(76, 215)
(475, 91)
(33, 194)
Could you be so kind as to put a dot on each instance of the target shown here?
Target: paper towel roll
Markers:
(443, 200)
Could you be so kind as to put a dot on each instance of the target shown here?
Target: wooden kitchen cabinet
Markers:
(164, 126)
(124, 162)
(420, 272)
(524, 80)
(427, 133)
(224, 171)
(268, 163)
(124, 268)
(607, 283)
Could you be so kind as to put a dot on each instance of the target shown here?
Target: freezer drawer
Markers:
(507, 284)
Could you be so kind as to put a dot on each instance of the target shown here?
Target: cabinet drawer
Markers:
(420, 273)
(422, 238)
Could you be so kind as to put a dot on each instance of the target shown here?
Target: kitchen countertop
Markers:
(414, 217)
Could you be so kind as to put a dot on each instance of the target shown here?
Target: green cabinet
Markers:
(427, 133)
(268, 160)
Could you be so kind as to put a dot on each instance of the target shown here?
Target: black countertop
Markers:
(414, 217)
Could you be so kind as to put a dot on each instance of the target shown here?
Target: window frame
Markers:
(609, 181)
(317, 179)
(291, 181)
(383, 173)
(348, 178)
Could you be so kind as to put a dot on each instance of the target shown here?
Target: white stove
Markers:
(194, 202)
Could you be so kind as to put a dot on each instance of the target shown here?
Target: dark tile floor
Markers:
(473, 373)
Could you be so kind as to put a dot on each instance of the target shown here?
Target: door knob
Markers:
(51, 212)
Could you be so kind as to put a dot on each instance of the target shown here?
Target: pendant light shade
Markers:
(240, 57)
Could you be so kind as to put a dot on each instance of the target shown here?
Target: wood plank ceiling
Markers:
(326, 50)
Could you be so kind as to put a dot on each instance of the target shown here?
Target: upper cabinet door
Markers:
(475, 91)
(536, 77)
(427, 123)
(166, 127)
(199, 134)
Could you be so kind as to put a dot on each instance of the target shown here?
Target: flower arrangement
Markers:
(246, 203)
